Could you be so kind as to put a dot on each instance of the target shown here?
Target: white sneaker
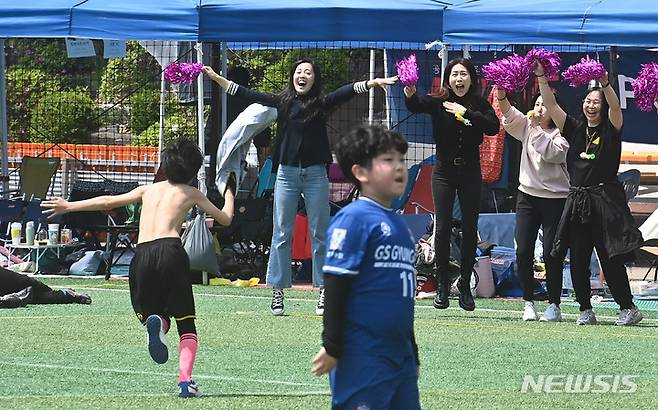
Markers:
(587, 317)
(552, 314)
(277, 302)
(629, 317)
(319, 309)
(529, 311)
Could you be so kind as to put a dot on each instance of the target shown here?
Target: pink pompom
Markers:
(407, 70)
(548, 59)
(509, 73)
(177, 73)
(584, 72)
(645, 87)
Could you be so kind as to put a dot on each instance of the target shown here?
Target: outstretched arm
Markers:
(614, 112)
(233, 88)
(59, 206)
(556, 112)
(225, 215)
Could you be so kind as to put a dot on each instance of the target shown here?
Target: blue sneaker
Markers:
(188, 389)
(157, 340)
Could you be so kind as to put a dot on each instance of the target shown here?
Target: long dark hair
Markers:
(474, 89)
(312, 100)
(605, 108)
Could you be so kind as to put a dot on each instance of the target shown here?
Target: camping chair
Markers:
(631, 182)
(400, 202)
(35, 175)
(341, 190)
(420, 199)
(266, 180)
(649, 249)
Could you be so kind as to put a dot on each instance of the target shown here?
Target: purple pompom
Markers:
(408, 70)
(509, 73)
(548, 59)
(177, 73)
(645, 87)
(584, 72)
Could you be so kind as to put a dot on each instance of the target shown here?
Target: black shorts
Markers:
(160, 280)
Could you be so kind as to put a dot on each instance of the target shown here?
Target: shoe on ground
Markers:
(319, 309)
(466, 300)
(529, 311)
(157, 339)
(277, 302)
(552, 314)
(629, 317)
(188, 389)
(441, 300)
(587, 317)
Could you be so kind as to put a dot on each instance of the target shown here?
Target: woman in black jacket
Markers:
(300, 159)
(459, 118)
(596, 214)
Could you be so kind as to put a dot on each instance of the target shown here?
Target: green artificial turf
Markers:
(82, 357)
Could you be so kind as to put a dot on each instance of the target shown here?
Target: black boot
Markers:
(441, 300)
(466, 301)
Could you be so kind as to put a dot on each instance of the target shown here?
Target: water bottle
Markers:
(42, 236)
(29, 233)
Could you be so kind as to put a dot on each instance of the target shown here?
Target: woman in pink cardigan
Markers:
(543, 189)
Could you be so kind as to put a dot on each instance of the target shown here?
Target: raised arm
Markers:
(59, 206)
(225, 215)
(344, 93)
(556, 112)
(416, 104)
(614, 112)
(243, 92)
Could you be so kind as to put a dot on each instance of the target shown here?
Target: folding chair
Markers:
(400, 202)
(649, 249)
(35, 175)
(341, 190)
(420, 198)
(631, 182)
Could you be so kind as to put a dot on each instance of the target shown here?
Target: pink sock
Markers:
(187, 353)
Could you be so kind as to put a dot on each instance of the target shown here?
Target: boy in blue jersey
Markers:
(368, 340)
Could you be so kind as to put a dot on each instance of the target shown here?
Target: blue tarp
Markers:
(234, 20)
(630, 23)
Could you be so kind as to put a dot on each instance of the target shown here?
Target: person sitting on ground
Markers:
(368, 341)
(160, 286)
(19, 290)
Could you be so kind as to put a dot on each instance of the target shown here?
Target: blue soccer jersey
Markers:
(373, 245)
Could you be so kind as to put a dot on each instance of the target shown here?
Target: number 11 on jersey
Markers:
(408, 287)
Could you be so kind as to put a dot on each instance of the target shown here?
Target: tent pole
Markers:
(387, 95)
(443, 54)
(3, 118)
(224, 62)
(371, 92)
(162, 118)
(201, 176)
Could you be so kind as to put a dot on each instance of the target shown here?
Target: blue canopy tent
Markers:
(625, 23)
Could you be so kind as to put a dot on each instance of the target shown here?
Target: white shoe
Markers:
(529, 311)
(587, 317)
(319, 309)
(552, 314)
(629, 317)
(277, 302)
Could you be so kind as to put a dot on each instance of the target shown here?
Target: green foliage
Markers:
(123, 76)
(25, 87)
(144, 110)
(49, 55)
(334, 66)
(178, 125)
(65, 117)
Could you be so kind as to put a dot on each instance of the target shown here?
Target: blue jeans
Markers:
(290, 183)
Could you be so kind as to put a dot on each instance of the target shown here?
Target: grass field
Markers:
(82, 357)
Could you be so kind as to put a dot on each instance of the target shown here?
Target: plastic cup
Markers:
(16, 233)
(53, 234)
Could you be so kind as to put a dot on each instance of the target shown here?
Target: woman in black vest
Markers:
(459, 118)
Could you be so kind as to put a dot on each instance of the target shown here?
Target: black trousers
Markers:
(583, 238)
(12, 282)
(531, 213)
(465, 181)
